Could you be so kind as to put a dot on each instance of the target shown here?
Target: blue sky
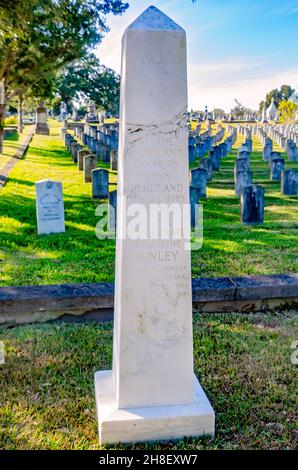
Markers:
(236, 48)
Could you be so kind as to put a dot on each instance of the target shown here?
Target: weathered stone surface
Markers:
(241, 164)
(42, 121)
(274, 156)
(265, 287)
(206, 164)
(242, 179)
(194, 195)
(81, 155)
(89, 164)
(213, 289)
(112, 210)
(100, 183)
(114, 160)
(252, 205)
(78, 302)
(289, 182)
(267, 151)
(276, 168)
(199, 180)
(148, 399)
(49, 207)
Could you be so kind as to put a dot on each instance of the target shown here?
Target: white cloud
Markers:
(249, 91)
(215, 83)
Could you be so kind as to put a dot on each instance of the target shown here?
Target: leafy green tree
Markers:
(283, 93)
(88, 80)
(288, 111)
(39, 37)
(286, 92)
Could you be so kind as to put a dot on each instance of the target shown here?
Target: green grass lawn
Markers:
(242, 361)
(78, 256)
(12, 144)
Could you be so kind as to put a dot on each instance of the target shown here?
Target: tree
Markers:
(39, 37)
(288, 111)
(286, 92)
(219, 112)
(283, 93)
(87, 79)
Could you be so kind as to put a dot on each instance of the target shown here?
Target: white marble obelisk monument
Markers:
(152, 393)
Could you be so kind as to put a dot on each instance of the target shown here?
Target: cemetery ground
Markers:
(229, 249)
(242, 360)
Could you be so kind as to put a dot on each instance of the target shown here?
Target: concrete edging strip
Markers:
(79, 302)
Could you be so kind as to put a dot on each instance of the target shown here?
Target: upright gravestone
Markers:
(81, 155)
(276, 169)
(42, 120)
(89, 164)
(289, 182)
(267, 149)
(114, 159)
(206, 164)
(49, 207)
(199, 180)
(194, 199)
(112, 210)
(252, 205)
(152, 393)
(242, 179)
(241, 164)
(100, 183)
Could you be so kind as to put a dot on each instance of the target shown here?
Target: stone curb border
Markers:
(14, 159)
(81, 302)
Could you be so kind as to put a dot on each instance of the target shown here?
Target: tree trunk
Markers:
(2, 115)
(20, 114)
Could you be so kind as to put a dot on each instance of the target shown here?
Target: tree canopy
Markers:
(279, 95)
(89, 80)
(287, 111)
(39, 37)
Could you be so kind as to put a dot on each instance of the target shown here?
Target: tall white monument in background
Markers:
(152, 393)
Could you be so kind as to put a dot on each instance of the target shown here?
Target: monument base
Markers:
(154, 423)
(42, 129)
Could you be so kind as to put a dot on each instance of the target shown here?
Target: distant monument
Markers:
(264, 115)
(91, 111)
(272, 110)
(42, 120)
(75, 114)
(63, 111)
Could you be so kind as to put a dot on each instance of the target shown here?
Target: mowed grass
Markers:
(11, 145)
(243, 363)
(232, 249)
(229, 248)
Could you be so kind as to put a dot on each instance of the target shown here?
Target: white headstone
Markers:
(49, 207)
(152, 393)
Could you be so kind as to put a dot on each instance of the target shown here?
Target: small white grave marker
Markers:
(49, 207)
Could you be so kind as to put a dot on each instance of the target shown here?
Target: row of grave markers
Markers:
(102, 143)
(288, 177)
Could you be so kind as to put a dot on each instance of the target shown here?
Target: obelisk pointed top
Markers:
(154, 19)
